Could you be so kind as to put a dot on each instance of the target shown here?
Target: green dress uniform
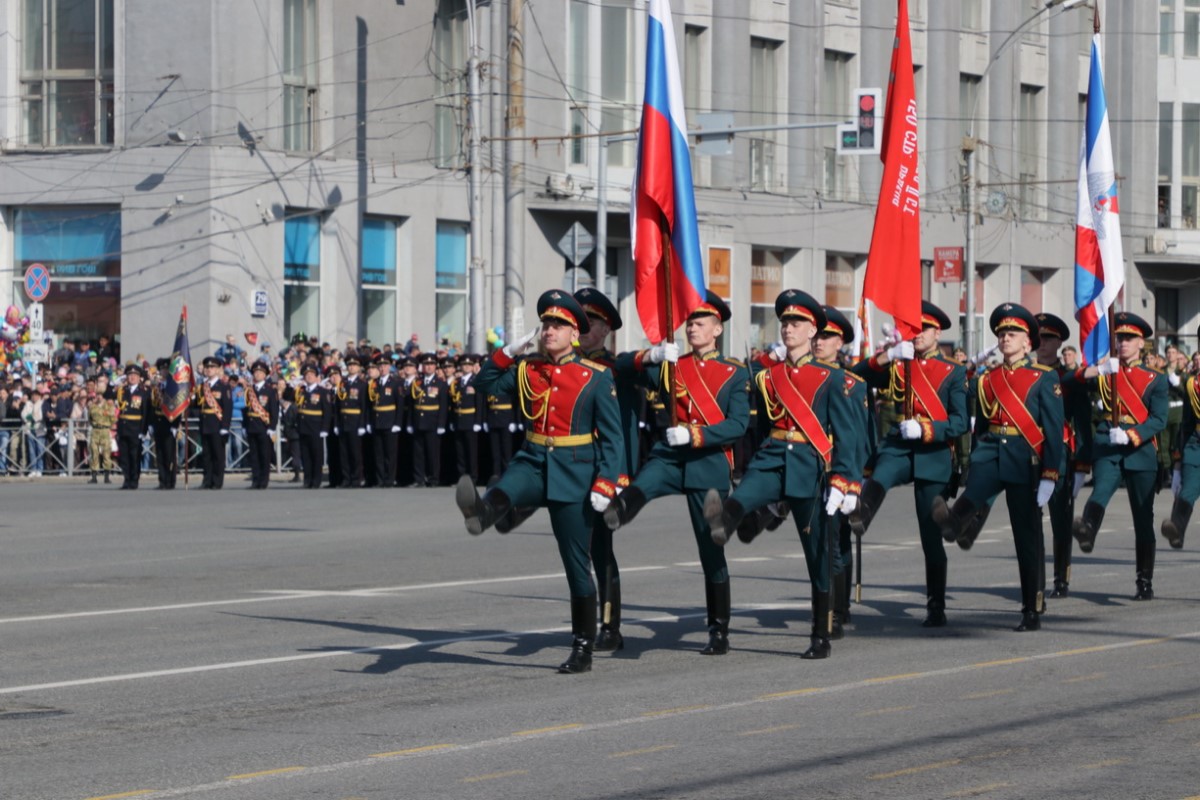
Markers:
(571, 452)
(1140, 400)
(1186, 457)
(805, 403)
(1018, 445)
(712, 404)
(937, 401)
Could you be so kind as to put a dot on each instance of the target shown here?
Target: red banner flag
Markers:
(893, 280)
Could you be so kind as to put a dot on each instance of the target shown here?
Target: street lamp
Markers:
(969, 146)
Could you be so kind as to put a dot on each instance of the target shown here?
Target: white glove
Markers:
(441, 431)
(396, 429)
(476, 428)
(664, 351)
(1176, 481)
(1045, 489)
(362, 431)
(779, 352)
(641, 425)
(910, 429)
(902, 351)
(514, 349)
(174, 433)
(224, 432)
(984, 355)
(337, 431)
(1108, 366)
(599, 502)
(834, 501)
(324, 434)
(1173, 378)
(1118, 436)
(486, 429)
(849, 503)
(512, 427)
(679, 436)
(369, 429)
(1080, 480)
(408, 430)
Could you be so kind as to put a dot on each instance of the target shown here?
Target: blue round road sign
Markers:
(37, 282)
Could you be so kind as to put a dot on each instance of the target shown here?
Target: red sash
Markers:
(926, 392)
(801, 412)
(1014, 406)
(1130, 396)
(702, 396)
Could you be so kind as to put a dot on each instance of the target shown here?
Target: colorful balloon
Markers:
(13, 316)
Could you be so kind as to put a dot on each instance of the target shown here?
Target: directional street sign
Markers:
(37, 282)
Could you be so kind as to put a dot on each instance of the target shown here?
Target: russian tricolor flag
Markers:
(662, 197)
(1099, 261)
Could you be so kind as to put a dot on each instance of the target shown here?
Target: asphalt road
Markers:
(359, 644)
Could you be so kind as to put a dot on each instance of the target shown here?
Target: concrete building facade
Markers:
(300, 166)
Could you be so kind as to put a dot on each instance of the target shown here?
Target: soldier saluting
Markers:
(569, 461)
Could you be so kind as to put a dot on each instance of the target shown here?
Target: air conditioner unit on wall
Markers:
(1156, 244)
(560, 185)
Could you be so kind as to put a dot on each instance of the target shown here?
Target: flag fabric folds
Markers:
(177, 394)
(662, 195)
(1099, 260)
(893, 279)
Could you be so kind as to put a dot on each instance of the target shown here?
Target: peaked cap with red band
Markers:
(595, 304)
(563, 307)
(1012, 317)
(795, 304)
(713, 306)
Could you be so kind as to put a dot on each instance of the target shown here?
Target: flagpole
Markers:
(669, 316)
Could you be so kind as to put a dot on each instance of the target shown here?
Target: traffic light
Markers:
(861, 136)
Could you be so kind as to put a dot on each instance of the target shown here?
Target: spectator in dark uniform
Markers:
(315, 423)
(260, 416)
(404, 439)
(430, 398)
(383, 396)
(214, 405)
(133, 420)
(289, 425)
(166, 450)
(469, 411)
(502, 428)
(352, 418)
(333, 443)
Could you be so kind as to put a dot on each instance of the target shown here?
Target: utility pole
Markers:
(475, 325)
(498, 22)
(514, 175)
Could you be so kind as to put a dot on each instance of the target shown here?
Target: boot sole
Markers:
(612, 517)
(466, 498)
(714, 509)
(1172, 535)
(939, 512)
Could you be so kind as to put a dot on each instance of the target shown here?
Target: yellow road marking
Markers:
(1112, 762)
(1187, 718)
(915, 770)
(1084, 650)
(679, 710)
(279, 771)
(982, 695)
(1095, 676)
(879, 711)
(137, 793)
(1004, 661)
(643, 751)
(988, 787)
(792, 693)
(891, 678)
(494, 775)
(776, 729)
(427, 748)
(552, 729)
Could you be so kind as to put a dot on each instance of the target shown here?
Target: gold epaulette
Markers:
(855, 376)
(737, 362)
(832, 364)
(1042, 367)
(593, 364)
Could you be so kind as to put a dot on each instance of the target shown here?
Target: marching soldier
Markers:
(569, 461)
(383, 398)
(214, 404)
(315, 422)
(1018, 450)
(1185, 474)
(1133, 397)
(260, 416)
(799, 461)
(696, 455)
(430, 404)
(929, 393)
(352, 417)
(102, 416)
(133, 420)
(603, 319)
(469, 407)
(166, 448)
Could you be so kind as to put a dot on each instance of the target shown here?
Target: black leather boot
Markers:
(716, 598)
(763, 519)
(1145, 570)
(723, 516)
(1030, 621)
(1062, 569)
(972, 528)
(868, 503)
(513, 519)
(583, 634)
(624, 507)
(481, 513)
(840, 598)
(610, 637)
(935, 596)
(952, 521)
(94, 478)
(1087, 526)
(818, 643)
(1175, 526)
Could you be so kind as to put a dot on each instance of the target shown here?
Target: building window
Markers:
(766, 282)
(451, 291)
(301, 274)
(577, 72)
(450, 79)
(379, 278)
(972, 15)
(1191, 28)
(1166, 314)
(81, 246)
(1166, 121)
(1166, 29)
(1189, 173)
(66, 76)
(1031, 288)
(1030, 147)
(835, 101)
(299, 74)
(764, 107)
(602, 73)
(839, 281)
